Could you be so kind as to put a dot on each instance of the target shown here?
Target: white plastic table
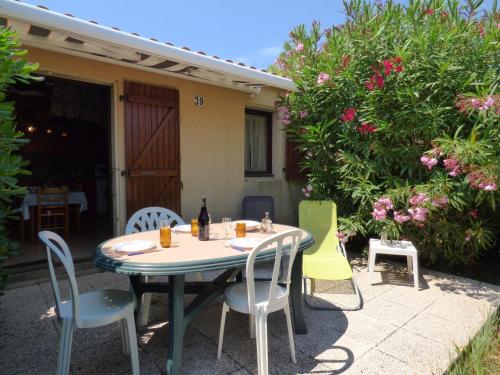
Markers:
(403, 248)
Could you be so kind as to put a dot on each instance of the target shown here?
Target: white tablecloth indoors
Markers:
(75, 197)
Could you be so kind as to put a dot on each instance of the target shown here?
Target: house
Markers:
(136, 122)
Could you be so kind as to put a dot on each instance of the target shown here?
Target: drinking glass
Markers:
(165, 234)
(226, 223)
(241, 229)
(194, 227)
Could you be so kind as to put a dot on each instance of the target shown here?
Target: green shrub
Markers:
(12, 69)
(397, 115)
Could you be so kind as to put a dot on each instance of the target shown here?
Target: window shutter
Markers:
(293, 158)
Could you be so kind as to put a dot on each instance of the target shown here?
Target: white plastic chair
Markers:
(88, 310)
(260, 298)
(144, 220)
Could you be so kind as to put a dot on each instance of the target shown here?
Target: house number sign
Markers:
(199, 101)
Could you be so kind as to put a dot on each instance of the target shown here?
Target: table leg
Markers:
(176, 323)
(135, 287)
(296, 296)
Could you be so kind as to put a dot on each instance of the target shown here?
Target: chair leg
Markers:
(132, 341)
(251, 326)
(65, 340)
(290, 333)
(358, 305)
(225, 309)
(124, 336)
(262, 350)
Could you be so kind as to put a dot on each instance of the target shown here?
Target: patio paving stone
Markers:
(423, 355)
(398, 331)
(376, 362)
(388, 311)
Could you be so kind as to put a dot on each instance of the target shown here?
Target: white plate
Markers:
(135, 246)
(249, 224)
(244, 243)
(185, 228)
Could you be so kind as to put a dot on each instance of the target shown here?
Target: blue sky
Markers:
(252, 31)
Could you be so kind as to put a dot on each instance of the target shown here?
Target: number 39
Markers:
(198, 100)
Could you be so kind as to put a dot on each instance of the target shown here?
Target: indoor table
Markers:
(189, 255)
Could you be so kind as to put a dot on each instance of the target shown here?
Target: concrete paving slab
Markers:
(424, 356)
(388, 311)
(399, 331)
(377, 362)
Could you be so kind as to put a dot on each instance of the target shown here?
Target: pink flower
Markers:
(299, 47)
(387, 67)
(452, 166)
(488, 186)
(379, 214)
(429, 11)
(379, 80)
(400, 218)
(366, 128)
(418, 213)
(286, 121)
(349, 114)
(418, 199)
(283, 109)
(399, 68)
(428, 161)
(474, 213)
(303, 114)
(307, 190)
(322, 78)
(476, 103)
(440, 202)
(490, 102)
(342, 237)
(386, 202)
(380, 208)
(370, 85)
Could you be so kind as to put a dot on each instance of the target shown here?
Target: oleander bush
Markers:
(12, 69)
(397, 117)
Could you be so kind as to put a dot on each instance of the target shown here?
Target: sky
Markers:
(252, 32)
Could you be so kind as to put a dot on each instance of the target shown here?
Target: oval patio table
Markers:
(189, 255)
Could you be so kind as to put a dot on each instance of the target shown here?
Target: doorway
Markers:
(68, 125)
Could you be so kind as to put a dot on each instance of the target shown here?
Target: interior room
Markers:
(67, 124)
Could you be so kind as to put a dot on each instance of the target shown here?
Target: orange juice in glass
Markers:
(241, 229)
(194, 227)
(165, 234)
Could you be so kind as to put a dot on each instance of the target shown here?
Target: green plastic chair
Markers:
(326, 259)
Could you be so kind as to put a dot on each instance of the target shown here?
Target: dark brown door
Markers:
(152, 147)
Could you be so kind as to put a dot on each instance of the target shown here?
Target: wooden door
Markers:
(152, 149)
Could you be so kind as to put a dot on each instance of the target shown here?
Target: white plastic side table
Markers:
(403, 248)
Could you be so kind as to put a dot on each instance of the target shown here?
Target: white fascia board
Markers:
(77, 27)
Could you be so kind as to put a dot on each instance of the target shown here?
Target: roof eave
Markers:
(77, 27)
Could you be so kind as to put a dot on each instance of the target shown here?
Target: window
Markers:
(258, 143)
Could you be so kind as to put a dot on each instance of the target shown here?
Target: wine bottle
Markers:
(203, 222)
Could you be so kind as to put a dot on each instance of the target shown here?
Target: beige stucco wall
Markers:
(211, 138)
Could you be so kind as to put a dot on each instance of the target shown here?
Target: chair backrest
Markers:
(55, 245)
(149, 219)
(253, 207)
(52, 197)
(280, 243)
(320, 219)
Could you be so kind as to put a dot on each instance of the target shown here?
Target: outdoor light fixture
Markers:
(64, 134)
(48, 131)
(31, 129)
